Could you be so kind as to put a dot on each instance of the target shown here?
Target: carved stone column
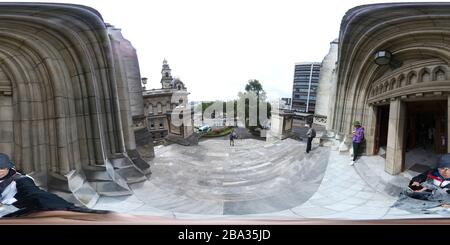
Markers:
(394, 152)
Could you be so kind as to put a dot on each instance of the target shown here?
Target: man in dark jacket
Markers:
(310, 134)
(439, 178)
(21, 192)
(433, 185)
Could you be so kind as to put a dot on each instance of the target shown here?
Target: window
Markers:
(152, 124)
(150, 109)
(159, 107)
(161, 124)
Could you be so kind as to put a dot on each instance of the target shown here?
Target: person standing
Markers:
(310, 134)
(357, 139)
(232, 137)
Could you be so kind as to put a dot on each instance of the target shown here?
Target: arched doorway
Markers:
(426, 132)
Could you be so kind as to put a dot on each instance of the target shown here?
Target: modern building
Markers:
(306, 79)
(159, 103)
(286, 102)
(394, 77)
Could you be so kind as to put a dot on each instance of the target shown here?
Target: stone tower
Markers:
(166, 79)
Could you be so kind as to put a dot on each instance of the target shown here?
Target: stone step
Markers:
(110, 189)
(122, 162)
(131, 174)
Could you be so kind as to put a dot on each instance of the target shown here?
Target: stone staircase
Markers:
(114, 181)
(214, 178)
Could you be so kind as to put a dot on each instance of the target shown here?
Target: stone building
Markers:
(159, 103)
(394, 77)
(69, 88)
(327, 79)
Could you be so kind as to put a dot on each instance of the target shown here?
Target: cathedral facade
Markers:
(394, 77)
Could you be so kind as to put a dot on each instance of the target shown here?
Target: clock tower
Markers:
(166, 79)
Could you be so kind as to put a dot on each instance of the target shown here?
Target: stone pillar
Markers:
(448, 124)
(394, 152)
(280, 125)
(370, 130)
(181, 129)
(6, 124)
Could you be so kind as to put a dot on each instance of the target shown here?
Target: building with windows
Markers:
(159, 103)
(306, 80)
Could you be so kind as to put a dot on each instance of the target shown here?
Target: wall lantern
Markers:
(385, 57)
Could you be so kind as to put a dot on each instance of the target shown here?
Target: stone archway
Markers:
(70, 104)
(419, 73)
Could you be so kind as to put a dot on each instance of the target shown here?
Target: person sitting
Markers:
(433, 185)
(20, 191)
(439, 178)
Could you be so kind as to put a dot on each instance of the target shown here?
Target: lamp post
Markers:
(144, 82)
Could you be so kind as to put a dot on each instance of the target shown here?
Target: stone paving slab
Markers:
(259, 180)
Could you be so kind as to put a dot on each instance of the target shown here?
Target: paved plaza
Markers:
(263, 180)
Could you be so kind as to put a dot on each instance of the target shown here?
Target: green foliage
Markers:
(219, 132)
(255, 92)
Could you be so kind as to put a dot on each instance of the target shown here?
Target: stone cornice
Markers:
(415, 90)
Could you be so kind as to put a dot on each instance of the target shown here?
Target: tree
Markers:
(254, 89)
(255, 86)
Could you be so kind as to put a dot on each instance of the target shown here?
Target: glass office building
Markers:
(306, 81)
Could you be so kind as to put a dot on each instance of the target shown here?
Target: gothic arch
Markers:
(401, 81)
(392, 84)
(424, 75)
(65, 89)
(439, 74)
(411, 78)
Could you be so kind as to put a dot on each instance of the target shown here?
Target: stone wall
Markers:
(326, 82)
(70, 92)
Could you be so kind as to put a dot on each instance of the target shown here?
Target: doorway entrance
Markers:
(426, 132)
(381, 130)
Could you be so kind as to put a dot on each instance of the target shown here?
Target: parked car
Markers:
(204, 129)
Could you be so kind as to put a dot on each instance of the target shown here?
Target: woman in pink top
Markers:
(358, 138)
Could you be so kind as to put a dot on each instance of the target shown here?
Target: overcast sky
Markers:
(215, 46)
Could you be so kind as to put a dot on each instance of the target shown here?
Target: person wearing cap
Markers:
(21, 192)
(434, 179)
(357, 140)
